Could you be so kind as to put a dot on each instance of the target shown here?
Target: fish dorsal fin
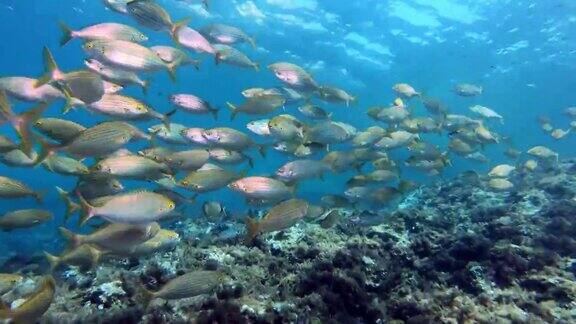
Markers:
(209, 166)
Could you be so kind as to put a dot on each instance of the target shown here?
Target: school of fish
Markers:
(293, 116)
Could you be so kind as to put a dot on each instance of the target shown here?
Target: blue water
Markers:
(364, 47)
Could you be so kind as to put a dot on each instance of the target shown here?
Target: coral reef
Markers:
(455, 252)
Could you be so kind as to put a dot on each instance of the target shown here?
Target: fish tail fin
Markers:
(233, 110)
(252, 229)
(179, 24)
(66, 33)
(46, 149)
(39, 196)
(196, 64)
(71, 207)
(171, 67)
(206, 4)
(95, 256)
(145, 86)
(22, 124)
(262, 150)
(166, 118)
(50, 68)
(143, 295)
(87, 211)
(250, 161)
(354, 101)
(5, 107)
(252, 42)
(256, 66)
(69, 103)
(53, 260)
(214, 112)
(5, 312)
(70, 237)
(218, 57)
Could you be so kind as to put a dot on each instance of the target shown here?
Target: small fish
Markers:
(391, 115)
(17, 158)
(229, 157)
(571, 112)
(65, 165)
(10, 189)
(171, 133)
(105, 31)
(127, 56)
(174, 56)
(468, 90)
(259, 127)
(330, 219)
(294, 76)
(405, 90)
(192, 104)
(97, 141)
(151, 15)
(486, 112)
(336, 95)
(192, 40)
(126, 108)
(229, 55)
(164, 240)
(260, 105)
(21, 122)
(25, 89)
(559, 133)
(112, 237)
(286, 128)
(314, 112)
(130, 167)
(138, 207)
(117, 5)
(257, 92)
(34, 306)
(208, 178)
(383, 196)
(335, 201)
(185, 286)
(501, 171)
(24, 218)
(279, 217)
(530, 165)
(8, 281)
(230, 139)
(156, 153)
(195, 136)
(329, 132)
(396, 139)
(543, 152)
(340, 161)
(190, 160)
(262, 188)
(228, 35)
(94, 187)
(85, 256)
(500, 184)
(512, 153)
(301, 170)
(213, 210)
(119, 76)
(85, 85)
(369, 137)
